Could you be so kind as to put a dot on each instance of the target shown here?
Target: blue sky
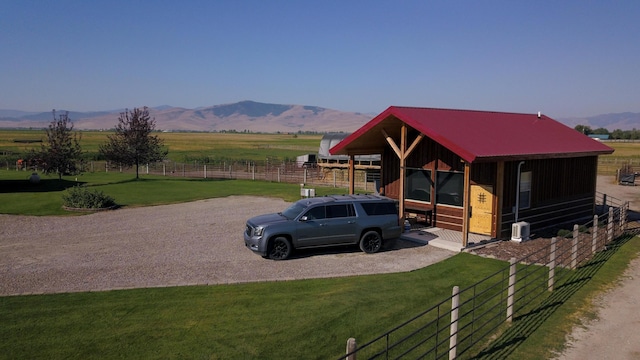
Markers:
(564, 58)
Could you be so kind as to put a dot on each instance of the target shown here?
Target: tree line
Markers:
(617, 134)
(132, 144)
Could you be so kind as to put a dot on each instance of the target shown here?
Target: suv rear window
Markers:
(380, 208)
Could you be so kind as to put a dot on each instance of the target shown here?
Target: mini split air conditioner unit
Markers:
(520, 231)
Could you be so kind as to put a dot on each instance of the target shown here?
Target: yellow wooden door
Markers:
(481, 202)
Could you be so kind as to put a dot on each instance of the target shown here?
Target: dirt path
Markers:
(616, 332)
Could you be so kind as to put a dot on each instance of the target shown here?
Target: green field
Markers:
(183, 147)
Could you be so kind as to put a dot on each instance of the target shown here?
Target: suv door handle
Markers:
(351, 222)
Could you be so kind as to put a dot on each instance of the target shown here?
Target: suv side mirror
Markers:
(304, 218)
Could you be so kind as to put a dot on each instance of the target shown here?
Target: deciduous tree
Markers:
(133, 143)
(61, 152)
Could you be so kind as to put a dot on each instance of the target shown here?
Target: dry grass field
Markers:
(185, 147)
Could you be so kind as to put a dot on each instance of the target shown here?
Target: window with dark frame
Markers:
(525, 190)
(418, 185)
(449, 188)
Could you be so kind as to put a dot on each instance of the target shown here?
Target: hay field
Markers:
(184, 146)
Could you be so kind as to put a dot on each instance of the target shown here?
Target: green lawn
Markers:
(281, 320)
(18, 196)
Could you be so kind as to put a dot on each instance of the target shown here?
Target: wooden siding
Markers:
(562, 191)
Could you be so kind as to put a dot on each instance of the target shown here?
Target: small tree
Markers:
(584, 129)
(132, 143)
(61, 152)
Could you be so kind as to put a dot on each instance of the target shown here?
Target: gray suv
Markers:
(367, 220)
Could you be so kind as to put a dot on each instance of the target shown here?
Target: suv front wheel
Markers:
(371, 242)
(279, 249)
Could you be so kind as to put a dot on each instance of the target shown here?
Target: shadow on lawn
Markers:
(392, 245)
(526, 324)
(45, 185)
(50, 185)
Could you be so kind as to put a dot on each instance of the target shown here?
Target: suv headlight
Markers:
(258, 231)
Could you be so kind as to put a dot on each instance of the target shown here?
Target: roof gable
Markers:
(476, 135)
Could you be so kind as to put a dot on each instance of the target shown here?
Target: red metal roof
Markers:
(475, 135)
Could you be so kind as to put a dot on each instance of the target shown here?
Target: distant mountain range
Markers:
(258, 117)
(242, 116)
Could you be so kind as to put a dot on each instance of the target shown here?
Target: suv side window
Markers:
(338, 211)
(380, 208)
(316, 213)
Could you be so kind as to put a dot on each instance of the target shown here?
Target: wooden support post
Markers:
(466, 209)
(403, 170)
(352, 173)
(499, 199)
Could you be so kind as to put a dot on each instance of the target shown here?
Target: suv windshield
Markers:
(292, 211)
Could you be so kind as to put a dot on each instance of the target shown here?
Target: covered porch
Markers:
(443, 238)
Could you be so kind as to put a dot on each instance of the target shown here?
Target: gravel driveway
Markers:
(192, 243)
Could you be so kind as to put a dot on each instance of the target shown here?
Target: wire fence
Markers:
(611, 165)
(508, 305)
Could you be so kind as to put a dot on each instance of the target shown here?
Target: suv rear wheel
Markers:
(370, 242)
(279, 249)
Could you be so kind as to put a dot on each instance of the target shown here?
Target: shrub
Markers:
(569, 232)
(81, 197)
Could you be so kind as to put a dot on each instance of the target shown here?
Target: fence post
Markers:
(253, 171)
(610, 226)
(623, 216)
(278, 174)
(351, 347)
(604, 200)
(304, 177)
(512, 289)
(164, 169)
(552, 264)
(147, 168)
(574, 247)
(594, 235)
(205, 171)
(453, 330)
(334, 177)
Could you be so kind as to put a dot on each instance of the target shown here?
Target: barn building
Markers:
(480, 171)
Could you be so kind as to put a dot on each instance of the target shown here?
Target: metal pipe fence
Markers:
(461, 325)
(280, 171)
